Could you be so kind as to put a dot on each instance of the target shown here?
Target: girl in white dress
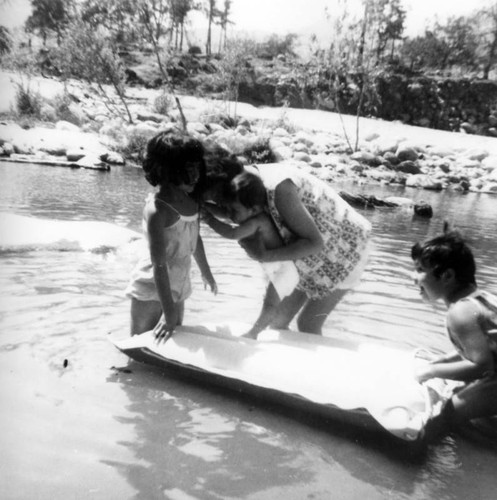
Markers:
(160, 283)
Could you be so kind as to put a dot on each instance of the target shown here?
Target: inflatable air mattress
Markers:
(365, 384)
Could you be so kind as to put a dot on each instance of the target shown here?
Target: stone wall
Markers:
(446, 104)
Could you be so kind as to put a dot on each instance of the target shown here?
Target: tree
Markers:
(387, 21)
(459, 35)
(276, 45)
(234, 69)
(88, 53)
(425, 51)
(49, 15)
(152, 14)
(179, 12)
(211, 15)
(453, 43)
(347, 68)
(5, 40)
(223, 23)
(486, 19)
(118, 17)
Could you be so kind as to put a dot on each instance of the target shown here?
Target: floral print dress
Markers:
(345, 232)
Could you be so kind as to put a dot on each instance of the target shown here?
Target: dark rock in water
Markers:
(365, 201)
(391, 158)
(405, 153)
(423, 210)
(408, 167)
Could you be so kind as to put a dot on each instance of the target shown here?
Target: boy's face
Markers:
(430, 287)
(240, 213)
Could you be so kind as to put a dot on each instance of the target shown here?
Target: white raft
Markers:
(361, 383)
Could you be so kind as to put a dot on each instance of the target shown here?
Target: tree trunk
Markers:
(490, 58)
(362, 40)
(208, 44)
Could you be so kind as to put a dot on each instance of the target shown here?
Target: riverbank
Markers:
(387, 152)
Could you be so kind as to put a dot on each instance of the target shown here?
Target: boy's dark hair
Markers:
(447, 251)
(248, 189)
(167, 155)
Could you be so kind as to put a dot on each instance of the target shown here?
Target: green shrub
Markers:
(62, 105)
(219, 117)
(28, 102)
(259, 152)
(195, 50)
(284, 122)
(136, 144)
(163, 103)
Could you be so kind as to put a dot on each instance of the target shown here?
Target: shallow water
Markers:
(106, 427)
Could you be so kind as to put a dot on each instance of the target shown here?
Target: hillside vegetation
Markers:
(440, 79)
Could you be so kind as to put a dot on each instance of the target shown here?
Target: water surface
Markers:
(79, 420)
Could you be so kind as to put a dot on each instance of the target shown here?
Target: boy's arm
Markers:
(477, 360)
(446, 358)
(240, 232)
(203, 265)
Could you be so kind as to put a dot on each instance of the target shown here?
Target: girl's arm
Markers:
(203, 265)
(156, 221)
(297, 218)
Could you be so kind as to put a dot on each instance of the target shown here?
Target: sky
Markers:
(291, 16)
(283, 16)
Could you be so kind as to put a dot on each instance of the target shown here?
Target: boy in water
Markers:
(445, 269)
(243, 202)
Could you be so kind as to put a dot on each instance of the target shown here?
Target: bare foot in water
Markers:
(251, 334)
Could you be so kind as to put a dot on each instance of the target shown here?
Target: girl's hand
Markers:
(254, 246)
(165, 327)
(423, 373)
(210, 282)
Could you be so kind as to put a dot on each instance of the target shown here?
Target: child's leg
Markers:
(269, 307)
(287, 310)
(145, 314)
(478, 399)
(315, 312)
(181, 311)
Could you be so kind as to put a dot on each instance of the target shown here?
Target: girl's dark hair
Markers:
(447, 251)
(167, 155)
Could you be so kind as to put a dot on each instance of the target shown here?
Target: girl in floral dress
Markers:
(325, 237)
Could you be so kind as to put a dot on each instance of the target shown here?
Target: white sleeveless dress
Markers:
(181, 244)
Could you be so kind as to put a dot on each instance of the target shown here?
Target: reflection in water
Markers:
(203, 442)
(188, 441)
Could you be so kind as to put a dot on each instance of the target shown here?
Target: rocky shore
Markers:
(101, 141)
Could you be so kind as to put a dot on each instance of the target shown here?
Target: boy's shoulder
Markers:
(463, 312)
